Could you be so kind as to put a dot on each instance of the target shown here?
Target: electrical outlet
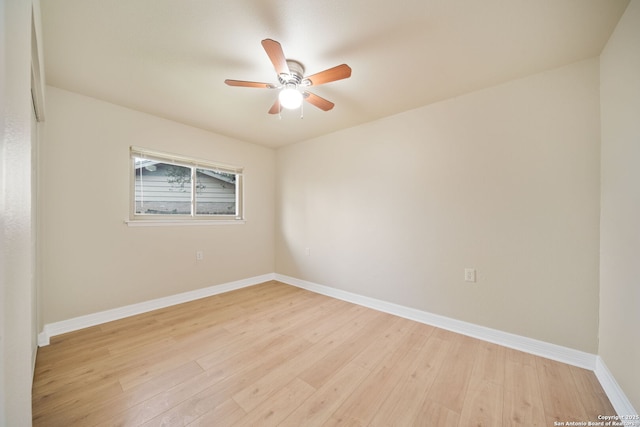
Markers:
(469, 274)
(199, 255)
(307, 251)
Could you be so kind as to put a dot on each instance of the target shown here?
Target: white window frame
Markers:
(192, 219)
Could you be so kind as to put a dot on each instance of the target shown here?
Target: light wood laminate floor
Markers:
(273, 354)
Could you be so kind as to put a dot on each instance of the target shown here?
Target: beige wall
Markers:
(92, 261)
(504, 180)
(620, 216)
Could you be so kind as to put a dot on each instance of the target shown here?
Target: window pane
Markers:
(162, 188)
(215, 192)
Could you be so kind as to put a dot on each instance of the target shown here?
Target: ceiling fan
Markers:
(292, 83)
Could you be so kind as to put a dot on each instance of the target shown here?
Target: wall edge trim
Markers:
(570, 356)
(529, 345)
(562, 354)
(57, 328)
(612, 389)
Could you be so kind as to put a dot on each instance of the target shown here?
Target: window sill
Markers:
(181, 222)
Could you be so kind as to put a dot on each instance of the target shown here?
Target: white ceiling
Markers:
(170, 57)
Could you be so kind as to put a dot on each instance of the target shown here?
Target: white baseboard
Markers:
(562, 354)
(57, 328)
(578, 358)
(616, 396)
(528, 345)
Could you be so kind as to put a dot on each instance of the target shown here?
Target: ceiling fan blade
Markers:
(276, 55)
(338, 72)
(318, 101)
(275, 108)
(243, 83)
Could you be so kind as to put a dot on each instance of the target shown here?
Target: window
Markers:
(171, 187)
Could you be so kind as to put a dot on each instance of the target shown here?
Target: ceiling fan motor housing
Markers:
(296, 73)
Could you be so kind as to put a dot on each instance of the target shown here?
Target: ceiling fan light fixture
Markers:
(290, 98)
